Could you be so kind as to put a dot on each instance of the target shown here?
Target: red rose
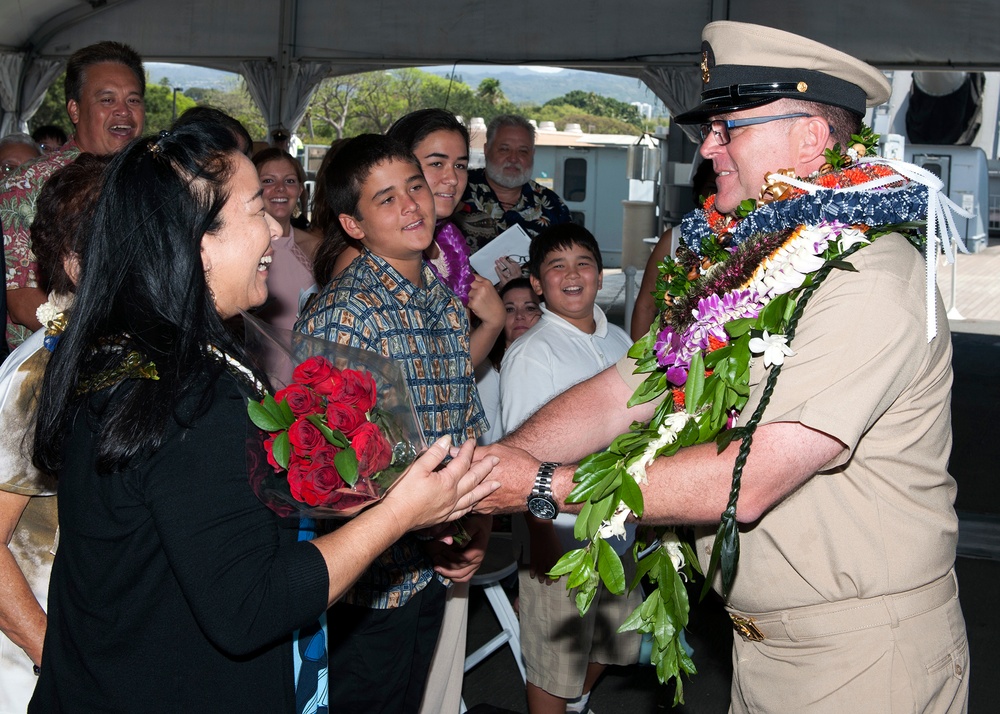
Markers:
(315, 482)
(358, 389)
(313, 371)
(321, 480)
(304, 437)
(300, 487)
(269, 448)
(373, 449)
(343, 417)
(325, 454)
(301, 399)
(331, 384)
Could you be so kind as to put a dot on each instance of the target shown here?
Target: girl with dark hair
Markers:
(441, 144)
(326, 226)
(174, 588)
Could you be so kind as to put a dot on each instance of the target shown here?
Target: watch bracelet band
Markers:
(543, 479)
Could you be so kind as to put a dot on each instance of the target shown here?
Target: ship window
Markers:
(575, 180)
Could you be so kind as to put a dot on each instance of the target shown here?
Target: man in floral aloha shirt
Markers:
(845, 596)
(105, 86)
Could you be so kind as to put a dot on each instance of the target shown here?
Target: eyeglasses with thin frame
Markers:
(720, 127)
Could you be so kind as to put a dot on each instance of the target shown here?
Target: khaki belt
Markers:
(844, 616)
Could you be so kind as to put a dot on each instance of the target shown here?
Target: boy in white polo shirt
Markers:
(564, 654)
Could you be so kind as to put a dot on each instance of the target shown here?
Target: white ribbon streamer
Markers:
(941, 228)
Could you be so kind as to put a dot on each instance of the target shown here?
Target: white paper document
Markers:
(513, 241)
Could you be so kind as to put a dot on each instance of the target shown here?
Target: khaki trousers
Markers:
(888, 655)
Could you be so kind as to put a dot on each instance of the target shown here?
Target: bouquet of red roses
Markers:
(338, 433)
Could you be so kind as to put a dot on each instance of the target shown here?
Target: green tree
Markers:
(160, 106)
(491, 101)
(331, 105)
(563, 114)
(238, 104)
(449, 93)
(197, 93)
(490, 92)
(600, 106)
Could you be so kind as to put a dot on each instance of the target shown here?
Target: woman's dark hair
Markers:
(144, 288)
(416, 126)
(63, 211)
(204, 113)
(500, 346)
(325, 221)
(49, 131)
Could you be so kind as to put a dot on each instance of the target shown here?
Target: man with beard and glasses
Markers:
(503, 194)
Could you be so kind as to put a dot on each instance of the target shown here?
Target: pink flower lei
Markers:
(455, 251)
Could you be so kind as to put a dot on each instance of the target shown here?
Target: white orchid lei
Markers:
(52, 316)
(735, 290)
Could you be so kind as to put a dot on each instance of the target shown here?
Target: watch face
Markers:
(542, 507)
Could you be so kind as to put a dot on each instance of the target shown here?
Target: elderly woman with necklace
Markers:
(174, 588)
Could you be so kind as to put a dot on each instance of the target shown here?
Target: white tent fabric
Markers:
(10, 77)
(283, 94)
(285, 46)
(21, 93)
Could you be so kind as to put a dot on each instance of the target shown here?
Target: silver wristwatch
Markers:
(541, 504)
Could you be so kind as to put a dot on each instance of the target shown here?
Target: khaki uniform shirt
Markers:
(879, 518)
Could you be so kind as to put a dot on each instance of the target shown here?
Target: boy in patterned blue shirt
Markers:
(383, 633)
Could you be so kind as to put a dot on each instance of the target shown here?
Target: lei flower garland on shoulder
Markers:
(455, 253)
(734, 291)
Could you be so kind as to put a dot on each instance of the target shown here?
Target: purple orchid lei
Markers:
(455, 251)
(674, 349)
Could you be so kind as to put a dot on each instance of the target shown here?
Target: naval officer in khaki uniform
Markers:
(848, 527)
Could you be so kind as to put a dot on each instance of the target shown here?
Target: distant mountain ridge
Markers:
(186, 76)
(519, 84)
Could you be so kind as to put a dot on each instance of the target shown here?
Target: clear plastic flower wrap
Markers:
(336, 435)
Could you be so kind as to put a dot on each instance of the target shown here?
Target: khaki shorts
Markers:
(557, 644)
(914, 662)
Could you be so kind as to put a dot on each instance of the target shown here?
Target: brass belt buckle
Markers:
(747, 628)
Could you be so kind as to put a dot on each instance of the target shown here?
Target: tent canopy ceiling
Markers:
(296, 41)
(902, 34)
